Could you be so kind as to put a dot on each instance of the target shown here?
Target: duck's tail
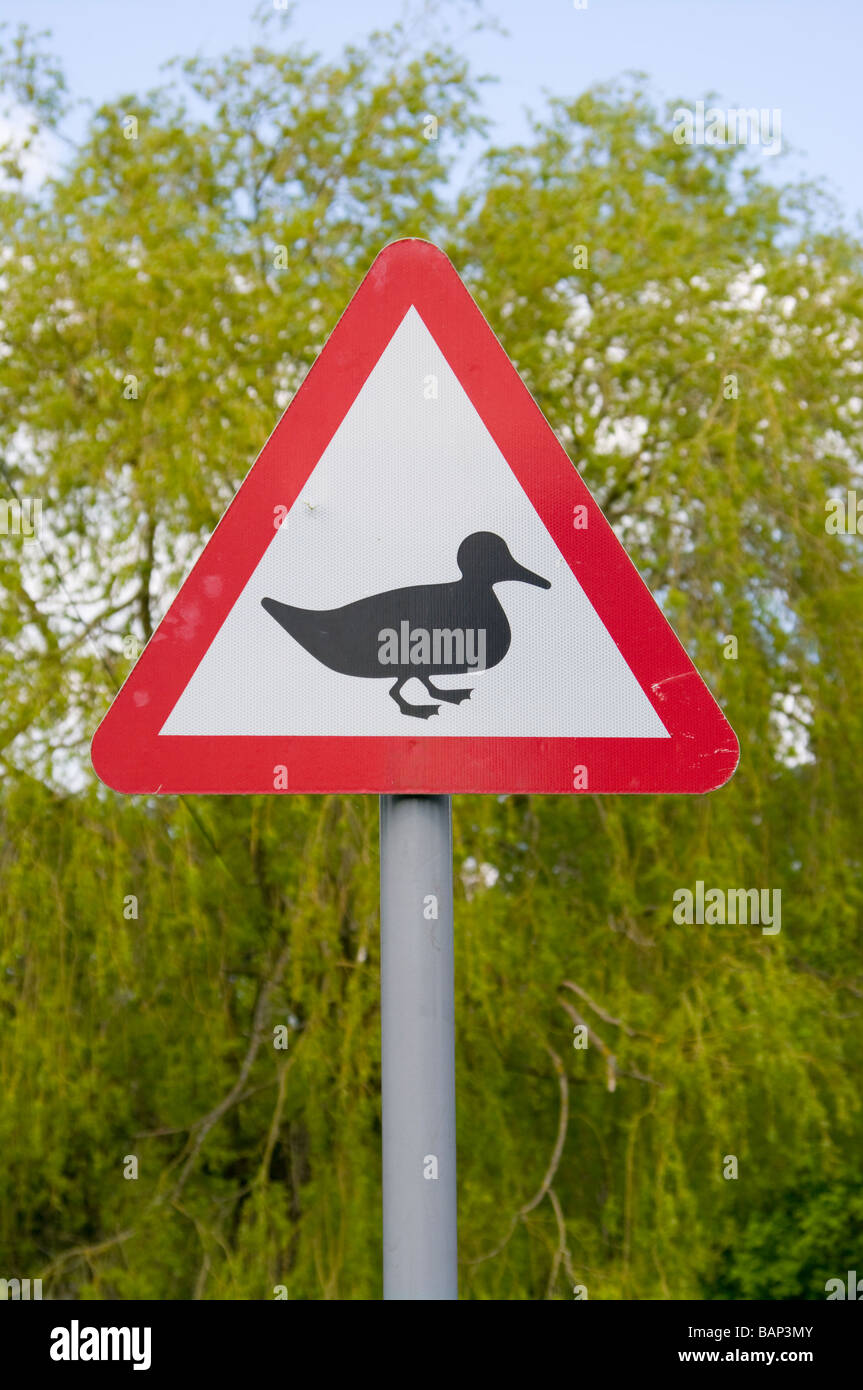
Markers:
(287, 617)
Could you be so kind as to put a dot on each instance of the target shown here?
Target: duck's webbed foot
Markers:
(452, 697)
(419, 711)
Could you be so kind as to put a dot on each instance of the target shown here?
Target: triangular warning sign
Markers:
(414, 591)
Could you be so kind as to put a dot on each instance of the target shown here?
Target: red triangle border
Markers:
(130, 755)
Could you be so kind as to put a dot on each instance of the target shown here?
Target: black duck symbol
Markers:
(428, 630)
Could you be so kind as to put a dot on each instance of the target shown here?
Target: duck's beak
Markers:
(527, 576)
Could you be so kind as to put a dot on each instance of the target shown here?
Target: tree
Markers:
(691, 331)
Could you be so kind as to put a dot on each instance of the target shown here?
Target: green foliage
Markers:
(790, 1250)
(152, 1034)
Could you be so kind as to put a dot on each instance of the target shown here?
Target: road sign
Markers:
(413, 591)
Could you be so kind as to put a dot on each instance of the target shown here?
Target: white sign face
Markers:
(410, 474)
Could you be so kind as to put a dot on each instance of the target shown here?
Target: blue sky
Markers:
(801, 57)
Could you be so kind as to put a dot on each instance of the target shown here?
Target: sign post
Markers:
(414, 594)
(418, 1048)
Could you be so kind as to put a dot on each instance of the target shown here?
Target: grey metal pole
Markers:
(418, 1048)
